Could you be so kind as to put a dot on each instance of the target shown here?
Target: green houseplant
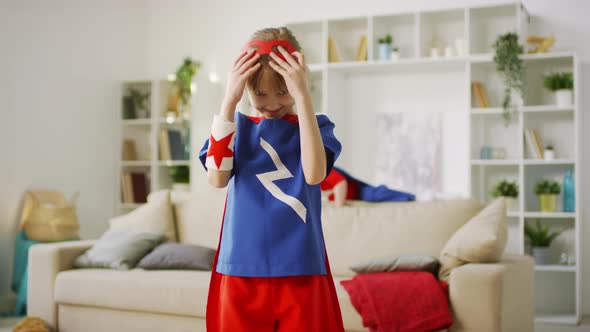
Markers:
(385, 47)
(562, 84)
(510, 65)
(547, 191)
(540, 238)
(549, 153)
(135, 102)
(179, 103)
(509, 190)
(180, 176)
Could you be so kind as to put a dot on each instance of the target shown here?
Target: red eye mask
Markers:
(265, 47)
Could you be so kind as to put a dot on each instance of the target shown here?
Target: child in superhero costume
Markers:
(271, 270)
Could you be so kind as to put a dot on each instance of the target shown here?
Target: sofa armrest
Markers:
(493, 297)
(46, 260)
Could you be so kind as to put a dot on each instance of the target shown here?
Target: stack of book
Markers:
(362, 52)
(134, 187)
(534, 143)
(171, 145)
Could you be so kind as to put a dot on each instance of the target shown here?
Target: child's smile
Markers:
(272, 101)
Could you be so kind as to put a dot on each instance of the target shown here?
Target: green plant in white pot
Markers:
(562, 84)
(547, 191)
(540, 239)
(511, 67)
(180, 176)
(549, 153)
(508, 190)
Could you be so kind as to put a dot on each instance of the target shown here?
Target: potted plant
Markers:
(510, 65)
(547, 191)
(183, 90)
(180, 176)
(395, 55)
(385, 47)
(562, 85)
(549, 152)
(508, 190)
(540, 239)
(134, 104)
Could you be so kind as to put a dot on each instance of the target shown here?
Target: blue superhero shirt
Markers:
(272, 224)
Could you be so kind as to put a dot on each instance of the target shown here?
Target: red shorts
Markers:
(271, 304)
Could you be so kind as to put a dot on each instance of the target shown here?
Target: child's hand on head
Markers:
(243, 67)
(294, 71)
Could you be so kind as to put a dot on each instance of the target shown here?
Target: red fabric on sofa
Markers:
(403, 301)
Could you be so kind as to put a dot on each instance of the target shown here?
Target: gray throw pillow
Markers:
(178, 256)
(120, 250)
(406, 262)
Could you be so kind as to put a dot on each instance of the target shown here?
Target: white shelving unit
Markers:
(352, 92)
(145, 133)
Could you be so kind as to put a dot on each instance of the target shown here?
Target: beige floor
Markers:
(6, 325)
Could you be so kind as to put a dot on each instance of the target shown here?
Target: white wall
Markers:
(71, 67)
(59, 66)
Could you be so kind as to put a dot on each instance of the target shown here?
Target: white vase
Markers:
(549, 154)
(434, 52)
(395, 55)
(563, 98)
(511, 204)
(542, 255)
(448, 51)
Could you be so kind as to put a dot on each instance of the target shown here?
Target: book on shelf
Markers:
(480, 94)
(534, 143)
(332, 51)
(171, 145)
(362, 52)
(134, 187)
(129, 152)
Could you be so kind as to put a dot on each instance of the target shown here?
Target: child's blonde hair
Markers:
(267, 34)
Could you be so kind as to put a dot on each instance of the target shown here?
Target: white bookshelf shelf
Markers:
(136, 122)
(495, 162)
(556, 268)
(136, 163)
(418, 82)
(560, 319)
(174, 163)
(549, 215)
(549, 162)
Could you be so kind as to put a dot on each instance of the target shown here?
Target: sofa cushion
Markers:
(366, 230)
(178, 256)
(405, 262)
(159, 291)
(198, 219)
(118, 249)
(481, 240)
(155, 216)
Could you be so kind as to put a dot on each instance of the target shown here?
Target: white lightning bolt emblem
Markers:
(267, 179)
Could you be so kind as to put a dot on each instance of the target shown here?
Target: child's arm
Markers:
(219, 178)
(218, 172)
(313, 153)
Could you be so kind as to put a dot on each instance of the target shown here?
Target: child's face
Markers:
(271, 101)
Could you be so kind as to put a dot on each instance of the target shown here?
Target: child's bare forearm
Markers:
(313, 154)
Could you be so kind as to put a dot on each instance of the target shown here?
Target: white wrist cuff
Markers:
(223, 137)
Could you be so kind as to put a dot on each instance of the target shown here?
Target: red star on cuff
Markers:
(219, 149)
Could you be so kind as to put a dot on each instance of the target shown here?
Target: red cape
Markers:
(214, 287)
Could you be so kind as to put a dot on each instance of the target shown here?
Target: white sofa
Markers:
(484, 297)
